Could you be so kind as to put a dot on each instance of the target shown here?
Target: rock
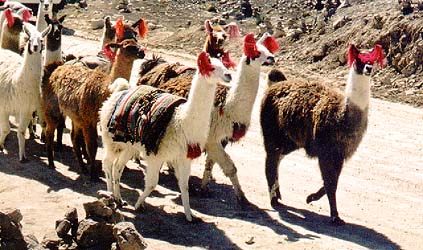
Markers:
(97, 209)
(51, 241)
(127, 237)
(340, 22)
(117, 217)
(32, 243)
(63, 227)
(13, 245)
(377, 22)
(211, 8)
(94, 234)
(72, 216)
(9, 229)
(82, 4)
(97, 24)
(15, 215)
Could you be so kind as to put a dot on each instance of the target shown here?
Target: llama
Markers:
(111, 33)
(178, 137)
(231, 115)
(327, 124)
(54, 40)
(19, 85)
(12, 27)
(44, 8)
(217, 36)
(78, 92)
(16, 8)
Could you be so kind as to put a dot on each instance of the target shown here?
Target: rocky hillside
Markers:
(313, 37)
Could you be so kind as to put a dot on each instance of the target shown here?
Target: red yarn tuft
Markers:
(233, 30)
(227, 61)
(376, 55)
(352, 54)
(109, 52)
(271, 44)
(142, 28)
(2, 1)
(26, 15)
(250, 47)
(204, 64)
(9, 17)
(120, 29)
(193, 151)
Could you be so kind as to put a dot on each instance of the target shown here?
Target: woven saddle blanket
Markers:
(142, 114)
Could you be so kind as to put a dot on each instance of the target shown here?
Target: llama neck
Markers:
(358, 89)
(41, 23)
(31, 67)
(196, 111)
(122, 67)
(53, 50)
(242, 95)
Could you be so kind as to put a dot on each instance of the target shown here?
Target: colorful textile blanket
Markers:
(142, 114)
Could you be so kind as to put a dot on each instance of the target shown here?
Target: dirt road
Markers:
(380, 194)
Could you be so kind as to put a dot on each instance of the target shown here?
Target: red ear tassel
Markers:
(109, 52)
(227, 61)
(26, 15)
(376, 55)
(352, 54)
(233, 30)
(204, 65)
(119, 29)
(9, 17)
(208, 27)
(142, 28)
(271, 44)
(250, 47)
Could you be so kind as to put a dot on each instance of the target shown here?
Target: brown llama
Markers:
(326, 123)
(78, 93)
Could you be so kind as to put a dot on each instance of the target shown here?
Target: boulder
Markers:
(127, 237)
(94, 234)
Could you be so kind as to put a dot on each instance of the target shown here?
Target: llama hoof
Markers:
(336, 221)
(244, 203)
(33, 136)
(139, 208)
(275, 203)
(311, 197)
(121, 203)
(51, 166)
(194, 220)
(24, 160)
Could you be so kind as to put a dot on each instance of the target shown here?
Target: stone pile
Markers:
(102, 228)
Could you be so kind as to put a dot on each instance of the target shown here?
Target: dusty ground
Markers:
(379, 195)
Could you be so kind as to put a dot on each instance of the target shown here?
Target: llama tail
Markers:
(119, 84)
(274, 76)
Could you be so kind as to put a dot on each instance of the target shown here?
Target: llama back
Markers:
(10, 64)
(79, 76)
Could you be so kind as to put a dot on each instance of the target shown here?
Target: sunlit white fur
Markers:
(44, 7)
(358, 89)
(20, 86)
(189, 124)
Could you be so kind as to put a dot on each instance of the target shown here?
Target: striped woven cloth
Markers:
(142, 114)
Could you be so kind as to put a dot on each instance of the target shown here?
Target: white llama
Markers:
(184, 135)
(20, 80)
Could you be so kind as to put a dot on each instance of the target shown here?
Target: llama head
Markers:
(363, 62)
(16, 7)
(260, 52)
(127, 48)
(35, 40)
(46, 5)
(54, 37)
(212, 69)
(126, 31)
(14, 22)
(216, 37)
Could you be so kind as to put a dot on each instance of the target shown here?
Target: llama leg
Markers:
(49, 138)
(4, 129)
(32, 126)
(59, 136)
(151, 180)
(24, 120)
(272, 175)
(90, 139)
(184, 170)
(207, 175)
(107, 166)
(75, 134)
(117, 170)
(217, 152)
(331, 169)
(316, 196)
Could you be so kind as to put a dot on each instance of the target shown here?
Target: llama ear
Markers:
(208, 27)
(250, 47)
(107, 22)
(142, 27)
(109, 52)
(47, 18)
(26, 29)
(271, 44)
(227, 61)
(62, 18)
(204, 64)
(352, 54)
(9, 17)
(119, 29)
(378, 50)
(233, 30)
(46, 31)
(26, 14)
